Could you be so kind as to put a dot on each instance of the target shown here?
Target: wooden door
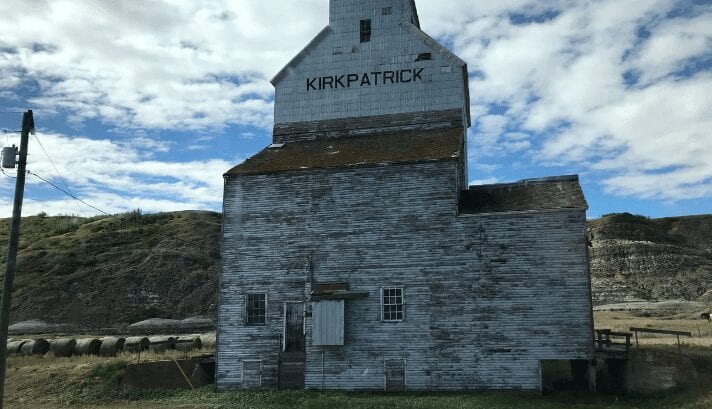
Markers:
(394, 371)
(294, 327)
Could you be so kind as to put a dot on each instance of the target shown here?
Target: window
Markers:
(424, 57)
(365, 31)
(392, 304)
(387, 11)
(256, 308)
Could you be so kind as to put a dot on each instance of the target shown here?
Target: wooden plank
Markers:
(397, 226)
(660, 331)
(346, 295)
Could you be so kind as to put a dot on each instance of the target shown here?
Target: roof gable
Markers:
(294, 62)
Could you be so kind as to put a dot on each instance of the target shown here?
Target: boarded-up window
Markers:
(328, 323)
(251, 374)
(394, 371)
(392, 304)
(256, 309)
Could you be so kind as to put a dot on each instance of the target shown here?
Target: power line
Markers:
(64, 181)
(67, 193)
(107, 214)
(4, 173)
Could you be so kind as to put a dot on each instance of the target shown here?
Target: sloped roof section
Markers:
(432, 43)
(561, 192)
(402, 147)
(447, 55)
(301, 55)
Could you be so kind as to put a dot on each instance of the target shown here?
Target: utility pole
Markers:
(28, 125)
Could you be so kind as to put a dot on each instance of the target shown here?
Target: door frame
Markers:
(284, 321)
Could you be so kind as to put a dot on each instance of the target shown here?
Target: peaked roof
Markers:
(399, 147)
(300, 56)
(406, 25)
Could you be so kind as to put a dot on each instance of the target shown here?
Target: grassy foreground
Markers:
(91, 382)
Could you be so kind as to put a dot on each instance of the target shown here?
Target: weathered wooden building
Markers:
(354, 254)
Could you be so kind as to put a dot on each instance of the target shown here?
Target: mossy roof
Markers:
(561, 192)
(369, 150)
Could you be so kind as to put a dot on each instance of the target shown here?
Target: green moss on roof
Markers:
(562, 192)
(368, 150)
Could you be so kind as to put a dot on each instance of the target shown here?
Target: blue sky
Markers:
(146, 104)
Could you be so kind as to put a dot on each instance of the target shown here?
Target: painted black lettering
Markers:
(329, 81)
(376, 75)
(403, 77)
(351, 78)
(310, 84)
(365, 79)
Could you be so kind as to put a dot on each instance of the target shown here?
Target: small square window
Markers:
(392, 304)
(365, 31)
(256, 309)
(387, 11)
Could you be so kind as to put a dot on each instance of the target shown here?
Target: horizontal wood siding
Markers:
(486, 297)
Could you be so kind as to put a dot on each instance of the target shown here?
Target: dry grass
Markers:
(44, 383)
(623, 320)
(87, 382)
(50, 382)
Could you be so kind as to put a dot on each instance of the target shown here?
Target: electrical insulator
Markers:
(8, 157)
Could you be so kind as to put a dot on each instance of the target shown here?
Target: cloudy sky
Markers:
(145, 104)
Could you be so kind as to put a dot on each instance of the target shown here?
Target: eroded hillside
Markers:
(636, 258)
(110, 270)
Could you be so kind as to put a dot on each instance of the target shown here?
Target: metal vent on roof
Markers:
(276, 146)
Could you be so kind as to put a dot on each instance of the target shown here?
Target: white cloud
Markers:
(158, 64)
(573, 82)
(569, 81)
(486, 181)
(114, 177)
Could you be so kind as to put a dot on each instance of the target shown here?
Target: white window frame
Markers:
(247, 297)
(402, 294)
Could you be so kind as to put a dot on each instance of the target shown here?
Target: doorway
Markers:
(293, 356)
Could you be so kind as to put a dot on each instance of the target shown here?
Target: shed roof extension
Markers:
(562, 192)
(401, 147)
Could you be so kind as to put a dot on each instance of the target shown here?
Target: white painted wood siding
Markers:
(328, 327)
(488, 295)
